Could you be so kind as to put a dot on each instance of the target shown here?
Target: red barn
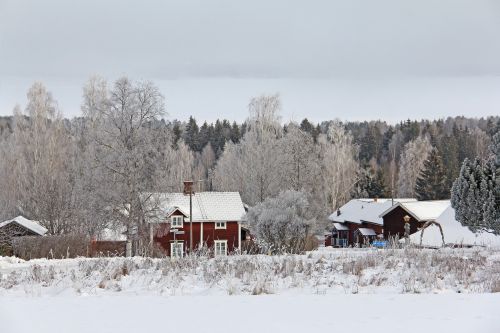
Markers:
(217, 218)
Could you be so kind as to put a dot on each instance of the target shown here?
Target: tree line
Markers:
(99, 170)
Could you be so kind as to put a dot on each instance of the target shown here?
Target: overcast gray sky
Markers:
(351, 59)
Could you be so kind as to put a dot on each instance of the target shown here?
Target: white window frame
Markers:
(174, 221)
(221, 225)
(218, 247)
(173, 254)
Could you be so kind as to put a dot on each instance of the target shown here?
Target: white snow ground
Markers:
(338, 290)
(450, 312)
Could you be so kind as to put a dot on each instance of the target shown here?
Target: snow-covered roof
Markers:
(173, 209)
(364, 210)
(454, 233)
(34, 226)
(207, 206)
(340, 226)
(367, 232)
(422, 210)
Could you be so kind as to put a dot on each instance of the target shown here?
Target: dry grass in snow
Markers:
(320, 272)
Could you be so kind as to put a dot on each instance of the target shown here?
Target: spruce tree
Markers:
(218, 140)
(370, 184)
(495, 157)
(176, 130)
(448, 149)
(431, 182)
(235, 133)
(494, 163)
(461, 201)
(490, 213)
(191, 135)
(306, 126)
(473, 196)
(204, 135)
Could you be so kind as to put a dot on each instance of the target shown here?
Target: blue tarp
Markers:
(379, 243)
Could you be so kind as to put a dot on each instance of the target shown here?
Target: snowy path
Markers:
(240, 314)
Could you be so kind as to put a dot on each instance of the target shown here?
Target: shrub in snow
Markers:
(53, 246)
(281, 224)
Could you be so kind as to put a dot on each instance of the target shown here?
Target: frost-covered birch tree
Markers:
(299, 159)
(126, 145)
(339, 166)
(203, 167)
(38, 158)
(252, 166)
(175, 166)
(411, 164)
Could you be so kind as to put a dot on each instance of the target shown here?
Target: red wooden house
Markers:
(418, 211)
(359, 221)
(216, 222)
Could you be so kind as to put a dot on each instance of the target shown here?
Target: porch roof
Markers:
(340, 226)
(367, 232)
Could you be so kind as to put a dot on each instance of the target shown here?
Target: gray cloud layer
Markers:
(352, 59)
(169, 39)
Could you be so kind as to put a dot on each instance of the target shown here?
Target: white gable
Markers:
(207, 206)
(34, 226)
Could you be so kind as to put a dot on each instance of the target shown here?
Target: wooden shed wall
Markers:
(394, 223)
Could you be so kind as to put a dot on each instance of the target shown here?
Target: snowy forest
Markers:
(76, 175)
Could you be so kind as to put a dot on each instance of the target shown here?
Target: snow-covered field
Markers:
(428, 313)
(331, 289)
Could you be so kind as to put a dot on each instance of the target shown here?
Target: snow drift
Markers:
(454, 234)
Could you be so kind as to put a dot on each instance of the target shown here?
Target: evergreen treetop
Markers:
(431, 182)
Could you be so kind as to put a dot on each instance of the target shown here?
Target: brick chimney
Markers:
(188, 187)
